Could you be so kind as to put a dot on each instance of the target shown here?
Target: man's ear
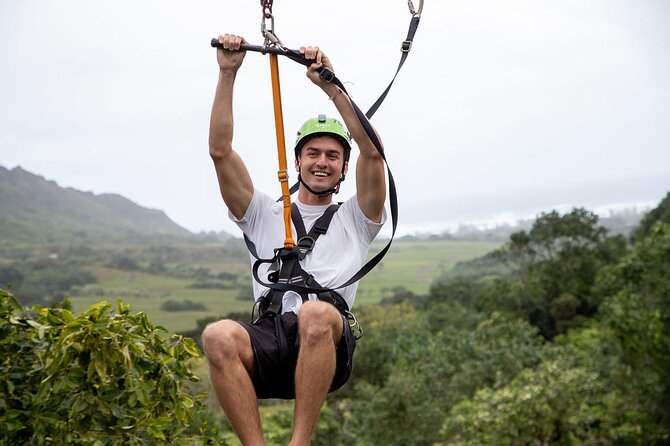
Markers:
(297, 165)
(346, 168)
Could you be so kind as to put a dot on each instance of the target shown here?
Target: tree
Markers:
(556, 263)
(10, 275)
(425, 374)
(637, 318)
(559, 403)
(660, 214)
(46, 280)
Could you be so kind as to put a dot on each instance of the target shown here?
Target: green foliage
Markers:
(101, 378)
(461, 368)
(660, 214)
(558, 403)
(489, 265)
(278, 427)
(184, 305)
(556, 266)
(44, 280)
(413, 363)
(124, 263)
(637, 319)
(10, 276)
(470, 292)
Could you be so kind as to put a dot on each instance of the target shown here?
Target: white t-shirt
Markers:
(337, 255)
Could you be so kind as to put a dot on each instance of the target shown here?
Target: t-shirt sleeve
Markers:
(366, 228)
(251, 220)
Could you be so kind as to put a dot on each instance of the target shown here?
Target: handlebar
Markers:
(294, 55)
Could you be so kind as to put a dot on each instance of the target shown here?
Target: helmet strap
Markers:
(322, 194)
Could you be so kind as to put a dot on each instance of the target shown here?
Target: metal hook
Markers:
(355, 326)
(411, 7)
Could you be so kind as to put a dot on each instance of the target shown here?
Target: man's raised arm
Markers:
(234, 179)
(370, 179)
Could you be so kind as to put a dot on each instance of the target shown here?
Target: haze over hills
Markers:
(35, 210)
(38, 211)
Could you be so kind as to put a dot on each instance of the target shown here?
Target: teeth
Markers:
(320, 174)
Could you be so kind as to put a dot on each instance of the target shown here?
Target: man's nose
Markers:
(322, 159)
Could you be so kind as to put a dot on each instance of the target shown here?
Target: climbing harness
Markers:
(284, 272)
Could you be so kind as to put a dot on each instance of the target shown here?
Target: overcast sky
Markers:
(503, 109)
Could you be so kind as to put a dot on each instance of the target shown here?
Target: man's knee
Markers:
(319, 321)
(225, 340)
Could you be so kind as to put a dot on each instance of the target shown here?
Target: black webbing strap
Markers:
(405, 48)
(319, 228)
(290, 272)
(306, 240)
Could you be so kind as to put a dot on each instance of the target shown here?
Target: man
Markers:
(243, 361)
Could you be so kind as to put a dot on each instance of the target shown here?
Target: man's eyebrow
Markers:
(319, 149)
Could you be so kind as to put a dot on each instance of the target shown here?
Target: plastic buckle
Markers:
(305, 245)
(406, 46)
(326, 74)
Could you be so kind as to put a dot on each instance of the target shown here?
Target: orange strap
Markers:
(282, 174)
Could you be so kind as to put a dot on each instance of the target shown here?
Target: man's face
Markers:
(320, 162)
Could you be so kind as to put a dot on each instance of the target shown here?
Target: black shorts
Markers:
(273, 374)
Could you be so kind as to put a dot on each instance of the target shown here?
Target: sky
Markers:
(504, 108)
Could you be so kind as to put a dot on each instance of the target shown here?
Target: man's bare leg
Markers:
(320, 326)
(230, 356)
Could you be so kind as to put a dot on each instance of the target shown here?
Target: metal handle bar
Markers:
(294, 55)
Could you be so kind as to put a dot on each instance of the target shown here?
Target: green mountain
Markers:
(34, 210)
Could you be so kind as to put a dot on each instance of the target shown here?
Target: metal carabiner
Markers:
(353, 323)
(411, 7)
(265, 32)
(269, 36)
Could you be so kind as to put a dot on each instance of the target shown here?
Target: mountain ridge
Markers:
(36, 210)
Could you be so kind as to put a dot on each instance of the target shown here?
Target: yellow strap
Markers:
(282, 174)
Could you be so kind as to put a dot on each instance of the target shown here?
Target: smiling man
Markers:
(307, 349)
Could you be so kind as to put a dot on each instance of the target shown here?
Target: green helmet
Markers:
(323, 126)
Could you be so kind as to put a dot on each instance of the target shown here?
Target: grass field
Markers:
(147, 292)
(412, 265)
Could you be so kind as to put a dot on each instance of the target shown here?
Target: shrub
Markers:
(184, 305)
(100, 378)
